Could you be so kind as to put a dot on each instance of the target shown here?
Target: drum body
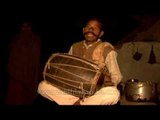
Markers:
(72, 74)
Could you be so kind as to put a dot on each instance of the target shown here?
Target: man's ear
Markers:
(101, 34)
(83, 30)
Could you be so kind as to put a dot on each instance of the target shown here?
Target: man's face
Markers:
(92, 31)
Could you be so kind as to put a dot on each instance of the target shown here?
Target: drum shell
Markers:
(72, 74)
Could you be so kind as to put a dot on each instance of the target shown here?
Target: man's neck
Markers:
(90, 43)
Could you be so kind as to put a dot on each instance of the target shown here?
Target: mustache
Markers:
(91, 33)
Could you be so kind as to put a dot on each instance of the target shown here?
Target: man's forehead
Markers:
(93, 22)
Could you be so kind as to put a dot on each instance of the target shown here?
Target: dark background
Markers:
(60, 23)
(60, 31)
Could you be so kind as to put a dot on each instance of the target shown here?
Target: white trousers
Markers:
(105, 96)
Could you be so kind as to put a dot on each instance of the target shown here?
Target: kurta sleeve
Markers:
(113, 68)
(70, 50)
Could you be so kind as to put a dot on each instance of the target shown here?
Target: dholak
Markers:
(72, 74)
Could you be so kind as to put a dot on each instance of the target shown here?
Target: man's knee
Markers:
(112, 97)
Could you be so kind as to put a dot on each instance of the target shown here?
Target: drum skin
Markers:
(72, 74)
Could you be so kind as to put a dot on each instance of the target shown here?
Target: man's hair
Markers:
(99, 20)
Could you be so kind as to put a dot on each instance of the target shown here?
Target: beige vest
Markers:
(96, 53)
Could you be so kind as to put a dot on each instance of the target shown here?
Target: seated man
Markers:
(103, 54)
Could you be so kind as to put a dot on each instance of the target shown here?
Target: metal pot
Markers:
(135, 90)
